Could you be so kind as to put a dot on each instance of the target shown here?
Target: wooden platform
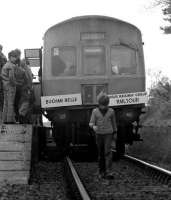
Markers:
(15, 153)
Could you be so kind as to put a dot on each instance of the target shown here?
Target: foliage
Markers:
(159, 105)
(166, 9)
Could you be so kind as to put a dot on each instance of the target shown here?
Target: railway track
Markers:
(162, 175)
(75, 184)
(48, 176)
(134, 179)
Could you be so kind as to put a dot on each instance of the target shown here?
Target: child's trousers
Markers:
(104, 142)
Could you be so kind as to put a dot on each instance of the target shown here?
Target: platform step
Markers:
(15, 153)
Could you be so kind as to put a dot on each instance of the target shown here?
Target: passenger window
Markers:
(123, 60)
(63, 61)
(94, 60)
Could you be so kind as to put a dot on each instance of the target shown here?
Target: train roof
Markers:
(73, 19)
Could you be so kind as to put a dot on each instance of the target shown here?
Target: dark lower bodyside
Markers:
(71, 129)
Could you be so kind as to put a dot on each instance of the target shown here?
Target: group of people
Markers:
(15, 88)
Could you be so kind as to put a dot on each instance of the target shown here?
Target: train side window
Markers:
(123, 60)
(63, 61)
(94, 60)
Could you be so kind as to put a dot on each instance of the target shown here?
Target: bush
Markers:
(159, 105)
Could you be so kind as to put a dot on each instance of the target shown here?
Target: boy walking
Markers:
(103, 123)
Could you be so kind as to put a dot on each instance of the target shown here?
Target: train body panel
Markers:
(73, 34)
(75, 85)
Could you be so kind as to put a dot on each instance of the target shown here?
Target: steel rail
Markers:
(163, 175)
(156, 172)
(164, 171)
(82, 191)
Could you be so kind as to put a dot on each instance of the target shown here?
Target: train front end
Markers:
(82, 57)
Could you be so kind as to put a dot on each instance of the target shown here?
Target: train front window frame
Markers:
(123, 60)
(96, 54)
(63, 64)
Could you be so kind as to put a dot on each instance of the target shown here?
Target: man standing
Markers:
(18, 52)
(25, 94)
(20, 83)
(9, 88)
(3, 60)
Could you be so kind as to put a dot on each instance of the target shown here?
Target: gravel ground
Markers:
(46, 184)
(129, 183)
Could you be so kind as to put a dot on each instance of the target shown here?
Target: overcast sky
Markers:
(23, 23)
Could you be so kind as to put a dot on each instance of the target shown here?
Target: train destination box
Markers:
(15, 153)
(128, 98)
(61, 100)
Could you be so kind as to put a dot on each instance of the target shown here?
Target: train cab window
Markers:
(94, 60)
(63, 61)
(123, 60)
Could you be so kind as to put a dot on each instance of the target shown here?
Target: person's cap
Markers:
(103, 99)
